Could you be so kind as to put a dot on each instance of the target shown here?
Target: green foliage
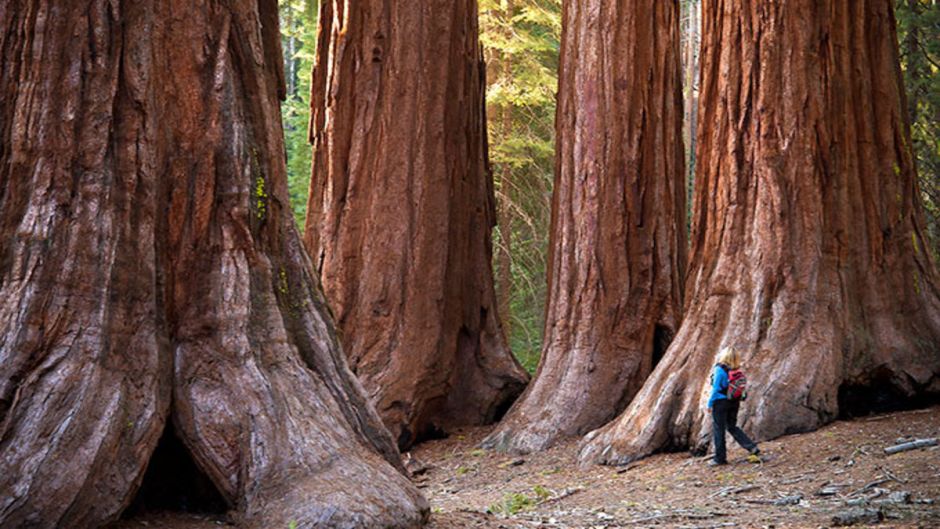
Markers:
(298, 40)
(918, 30)
(521, 40)
(515, 502)
(541, 493)
(512, 503)
(261, 197)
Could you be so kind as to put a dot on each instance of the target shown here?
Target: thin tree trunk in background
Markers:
(291, 76)
(401, 212)
(688, 55)
(808, 249)
(505, 250)
(910, 47)
(618, 237)
(691, 91)
(150, 271)
(504, 206)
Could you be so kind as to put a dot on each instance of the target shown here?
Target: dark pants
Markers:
(725, 417)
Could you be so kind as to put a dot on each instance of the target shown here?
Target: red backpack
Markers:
(737, 385)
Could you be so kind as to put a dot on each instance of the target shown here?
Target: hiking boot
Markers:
(713, 463)
(755, 451)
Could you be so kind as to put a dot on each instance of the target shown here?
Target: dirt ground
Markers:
(802, 480)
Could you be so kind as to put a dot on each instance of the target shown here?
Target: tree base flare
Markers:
(150, 272)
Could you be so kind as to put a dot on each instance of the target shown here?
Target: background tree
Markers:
(690, 30)
(520, 45)
(151, 278)
(299, 41)
(618, 220)
(919, 37)
(401, 211)
(808, 246)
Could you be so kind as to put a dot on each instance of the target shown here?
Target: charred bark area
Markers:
(401, 211)
(618, 215)
(150, 271)
(878, 393)
(174, 482)
(808, 248)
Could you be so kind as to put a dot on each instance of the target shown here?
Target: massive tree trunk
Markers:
(150, 272)
(401, 210)
(808, 247)
(618, 239)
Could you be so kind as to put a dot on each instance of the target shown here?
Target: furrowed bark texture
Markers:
(618, 238)
(150, 271)
(401, 210)
(808, 249)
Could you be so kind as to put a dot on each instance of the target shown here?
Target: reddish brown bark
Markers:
(150, 271)
(401, 209)
(808, 248)
(618, 239)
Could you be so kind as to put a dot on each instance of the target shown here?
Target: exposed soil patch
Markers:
(802, 481)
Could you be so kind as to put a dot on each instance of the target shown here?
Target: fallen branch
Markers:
(676, 514)
(627, 468)
(723, 490)
(563, 494)
(871, 485)
(714, 526)
(887, 472)
(895, 415)
(786, 500)
(731, 490)
(913, 445)
(858, 516)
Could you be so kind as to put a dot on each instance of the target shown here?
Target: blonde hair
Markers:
(729, 357)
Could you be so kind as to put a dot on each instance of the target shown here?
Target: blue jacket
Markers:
(719, 384)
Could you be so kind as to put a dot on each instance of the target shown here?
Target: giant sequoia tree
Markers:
(150, 272)
(618, 237)
(401, 210)
(808, 249)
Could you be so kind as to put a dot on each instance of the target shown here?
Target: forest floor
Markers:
(803, 480)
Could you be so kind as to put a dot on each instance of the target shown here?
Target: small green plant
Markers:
(292, 525)
(479, 452)
(512, 503)
(541, 493)
(462, 470)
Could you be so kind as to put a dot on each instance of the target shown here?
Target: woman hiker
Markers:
(724, 408)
